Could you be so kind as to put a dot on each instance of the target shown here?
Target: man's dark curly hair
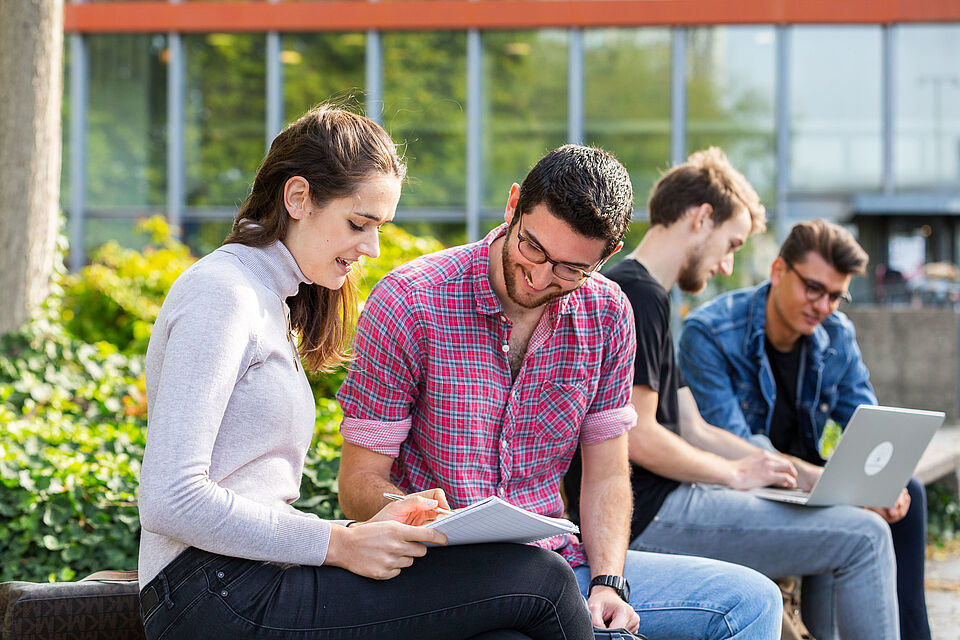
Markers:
(585, 187)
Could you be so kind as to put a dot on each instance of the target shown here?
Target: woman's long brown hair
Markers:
(334, 150)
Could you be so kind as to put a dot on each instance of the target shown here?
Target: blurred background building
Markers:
(849, 111)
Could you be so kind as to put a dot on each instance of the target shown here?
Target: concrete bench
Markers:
(941, 460)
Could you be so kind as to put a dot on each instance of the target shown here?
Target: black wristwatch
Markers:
(617, 583)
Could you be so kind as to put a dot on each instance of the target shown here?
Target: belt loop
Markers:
(166, 590)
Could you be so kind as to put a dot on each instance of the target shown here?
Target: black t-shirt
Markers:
(785, 426)
(654, 367)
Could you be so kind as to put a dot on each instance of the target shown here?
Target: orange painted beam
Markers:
(360, 15)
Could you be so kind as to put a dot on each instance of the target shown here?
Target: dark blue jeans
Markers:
(493, 591)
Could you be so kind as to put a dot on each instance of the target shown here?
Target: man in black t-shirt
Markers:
(687, 474)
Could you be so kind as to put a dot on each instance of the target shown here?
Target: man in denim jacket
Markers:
(773, 363)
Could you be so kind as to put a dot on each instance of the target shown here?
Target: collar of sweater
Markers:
(272, 264)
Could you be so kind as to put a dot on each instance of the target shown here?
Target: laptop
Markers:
(873, 461)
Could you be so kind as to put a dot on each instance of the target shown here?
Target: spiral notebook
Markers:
(495, 520)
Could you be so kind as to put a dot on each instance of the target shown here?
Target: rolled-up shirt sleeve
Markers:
(611, 413)
(382, 380)
(377, 435)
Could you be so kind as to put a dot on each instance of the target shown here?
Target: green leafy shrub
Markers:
(943, 513)
(73, 418)
(118, 296)
(73, 411)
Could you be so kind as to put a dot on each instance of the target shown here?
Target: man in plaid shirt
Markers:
(480, 369)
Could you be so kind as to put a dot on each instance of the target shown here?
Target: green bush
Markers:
(943, 513)
(118, 296)
(73, 422)
(73, 411)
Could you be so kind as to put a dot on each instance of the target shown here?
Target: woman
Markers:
(223, 553)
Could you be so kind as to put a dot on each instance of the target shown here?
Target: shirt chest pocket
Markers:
(827, 400)
(751, 402)
(560, 411)
(551, 435)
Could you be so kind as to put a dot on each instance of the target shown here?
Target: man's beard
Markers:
(691, 278)
(513, 286)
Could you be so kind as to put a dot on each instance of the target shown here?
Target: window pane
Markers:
(927, 107)
(448, 233)
(126, 139)
(424, 93)
(99, 231)
(225, 116)
(203, 236)
(319, 67)
(835, 108)
(730, 89)
(525, 82)
(627, 78)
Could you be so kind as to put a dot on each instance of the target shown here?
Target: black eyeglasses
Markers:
(537, 255)
(815, 291)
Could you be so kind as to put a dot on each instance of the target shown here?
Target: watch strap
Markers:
(617, 583)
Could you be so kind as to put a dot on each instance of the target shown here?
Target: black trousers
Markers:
(909, 545)
(488, 592)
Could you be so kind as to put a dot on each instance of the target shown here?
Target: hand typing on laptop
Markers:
(764, 469)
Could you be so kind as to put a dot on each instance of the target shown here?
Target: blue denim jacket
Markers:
(723, 358)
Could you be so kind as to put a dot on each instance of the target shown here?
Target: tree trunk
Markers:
(31, 87)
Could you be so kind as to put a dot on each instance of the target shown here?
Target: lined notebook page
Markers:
(494, 520)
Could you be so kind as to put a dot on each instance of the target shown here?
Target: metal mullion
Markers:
(782, 119)
(176, 169)
(678, 96)
(79, 79)
(274, 88)
(575, 87)
(474, 133)
(374, 76)
(888, 108)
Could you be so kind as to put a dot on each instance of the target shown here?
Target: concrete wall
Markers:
(912, 355)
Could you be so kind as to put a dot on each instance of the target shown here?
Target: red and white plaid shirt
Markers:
(431, 383)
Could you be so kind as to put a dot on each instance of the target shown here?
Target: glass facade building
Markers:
(854, 118)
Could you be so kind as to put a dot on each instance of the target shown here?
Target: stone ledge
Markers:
(941, 460)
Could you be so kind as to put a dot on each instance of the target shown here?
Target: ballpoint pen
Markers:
(397, 496)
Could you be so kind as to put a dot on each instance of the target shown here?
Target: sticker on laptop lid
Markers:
(878, 458)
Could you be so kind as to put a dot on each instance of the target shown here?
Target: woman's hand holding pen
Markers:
(415, 508)
(391, 540)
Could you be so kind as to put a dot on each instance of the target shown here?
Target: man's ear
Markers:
(777, 270)
(296, 197)
(512, 200)
(700, 219)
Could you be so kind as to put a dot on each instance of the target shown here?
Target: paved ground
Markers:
(943, 594)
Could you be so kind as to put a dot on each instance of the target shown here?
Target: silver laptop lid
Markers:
(876, 456)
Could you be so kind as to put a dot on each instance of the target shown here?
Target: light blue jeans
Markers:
(844, 553)
(683, 597)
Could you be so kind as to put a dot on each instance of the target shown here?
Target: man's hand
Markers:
(609, 611)
(763, 469)
(416, 509)
(808, 474)
(898, 511)
(379, 550)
